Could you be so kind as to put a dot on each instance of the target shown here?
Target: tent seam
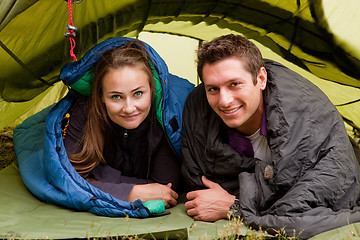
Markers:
(11, 54)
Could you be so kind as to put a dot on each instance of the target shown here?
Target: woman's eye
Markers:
(116, 97)
(138, 93)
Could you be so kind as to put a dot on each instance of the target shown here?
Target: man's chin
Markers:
(232, 124)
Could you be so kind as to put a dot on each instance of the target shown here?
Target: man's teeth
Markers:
(231, 111)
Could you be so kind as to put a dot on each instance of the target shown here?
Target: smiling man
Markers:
(262, 143)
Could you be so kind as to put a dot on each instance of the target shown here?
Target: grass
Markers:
(7, 154)
(233, 231)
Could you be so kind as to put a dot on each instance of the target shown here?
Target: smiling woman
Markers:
(108, 135)
(99, 149)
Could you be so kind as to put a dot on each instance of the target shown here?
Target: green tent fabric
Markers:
(22, 216)
(317, 38)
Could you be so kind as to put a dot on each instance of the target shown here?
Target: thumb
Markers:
(169, 184)
(208, 183)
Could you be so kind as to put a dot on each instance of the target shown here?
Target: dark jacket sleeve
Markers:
(111, 180)
(165, 168)
(193, 168)
(303, 224)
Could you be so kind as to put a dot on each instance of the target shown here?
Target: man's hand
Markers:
(209, 204)
(154, 191)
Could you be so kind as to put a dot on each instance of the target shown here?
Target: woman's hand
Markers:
(154, 191)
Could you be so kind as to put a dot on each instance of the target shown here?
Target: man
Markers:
(266, 143)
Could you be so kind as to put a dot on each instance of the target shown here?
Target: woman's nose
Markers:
(129, 106)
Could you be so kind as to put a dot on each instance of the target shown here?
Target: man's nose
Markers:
(226, 98)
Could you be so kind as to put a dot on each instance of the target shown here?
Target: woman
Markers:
(113, 138)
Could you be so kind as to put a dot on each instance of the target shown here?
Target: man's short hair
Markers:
(230, 46)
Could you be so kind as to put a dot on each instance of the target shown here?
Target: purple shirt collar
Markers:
(240, 143)
(263, 128)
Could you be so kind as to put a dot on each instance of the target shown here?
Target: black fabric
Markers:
(174, 124)
(315, 186)
(205, 147)
(137, 156)
(129, 150)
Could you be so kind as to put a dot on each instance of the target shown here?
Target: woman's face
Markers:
(127, 95)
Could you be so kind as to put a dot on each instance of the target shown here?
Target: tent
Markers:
(318, 39)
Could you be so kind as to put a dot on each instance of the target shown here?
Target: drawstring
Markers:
(67, 118)
(71, 32)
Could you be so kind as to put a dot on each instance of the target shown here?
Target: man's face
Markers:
(232, 94)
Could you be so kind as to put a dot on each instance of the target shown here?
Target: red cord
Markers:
(71, 33)
(72, 46)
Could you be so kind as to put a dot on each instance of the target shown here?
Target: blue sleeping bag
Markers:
(43, 162)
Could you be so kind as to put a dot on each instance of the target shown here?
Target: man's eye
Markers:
(234, 84)
(210, 90)
(138, 93)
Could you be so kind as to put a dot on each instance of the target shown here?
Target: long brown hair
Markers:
(96, 129)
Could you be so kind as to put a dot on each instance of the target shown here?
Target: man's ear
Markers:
(262, 78)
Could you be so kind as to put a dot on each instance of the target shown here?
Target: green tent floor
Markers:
(22, 216)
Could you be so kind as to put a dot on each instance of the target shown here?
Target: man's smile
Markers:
(231, 110)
